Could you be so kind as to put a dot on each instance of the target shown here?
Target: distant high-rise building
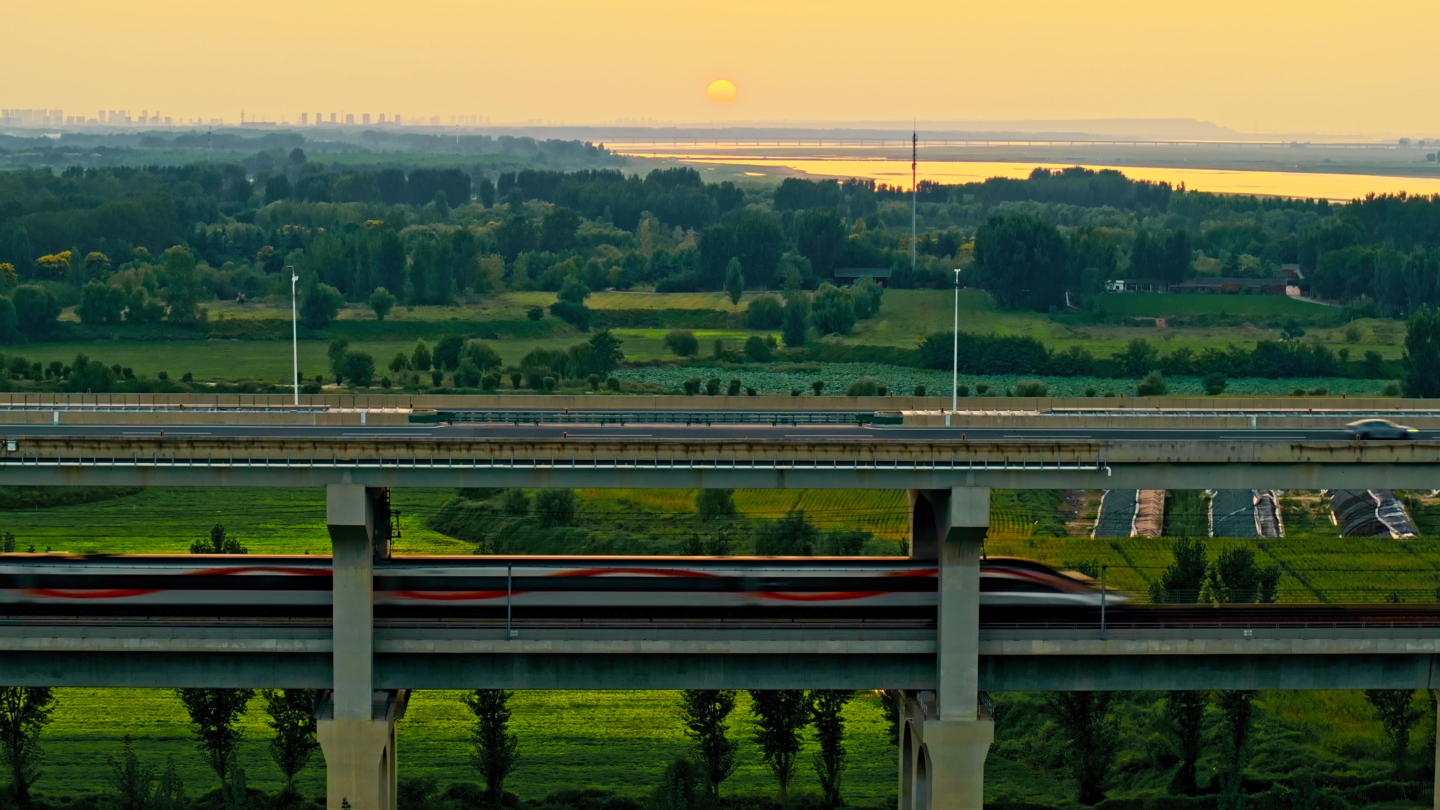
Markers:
(319, 118)
(382, 118)
(304, 119)
(168, 122)
(349, 118)
(434, 120)
(365, 119)
(332, 118)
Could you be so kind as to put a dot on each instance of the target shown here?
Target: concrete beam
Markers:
(1158, 475)
(1013, 673)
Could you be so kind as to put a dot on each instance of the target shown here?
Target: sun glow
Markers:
(722, 91)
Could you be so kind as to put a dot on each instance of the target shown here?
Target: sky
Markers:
(1318, 66)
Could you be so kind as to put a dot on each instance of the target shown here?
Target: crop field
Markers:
(1161, 305)
(619, 741)
(782, 379)
(883, 513)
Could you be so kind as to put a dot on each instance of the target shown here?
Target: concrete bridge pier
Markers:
(945, 735)
(356, 723)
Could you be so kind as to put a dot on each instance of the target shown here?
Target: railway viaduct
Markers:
(941, 672)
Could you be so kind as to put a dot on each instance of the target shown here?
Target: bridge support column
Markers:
(946, 735)
(357, 724)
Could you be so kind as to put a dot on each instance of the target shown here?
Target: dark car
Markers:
(1379, 429)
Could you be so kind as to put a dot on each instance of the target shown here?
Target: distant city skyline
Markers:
(1282, 66)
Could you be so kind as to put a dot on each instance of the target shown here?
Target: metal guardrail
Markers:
(531, 417)
(175, 462)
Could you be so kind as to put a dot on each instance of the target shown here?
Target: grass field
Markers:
(620, 741)
(905, 317)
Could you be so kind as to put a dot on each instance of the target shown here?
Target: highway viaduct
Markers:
(941, 671)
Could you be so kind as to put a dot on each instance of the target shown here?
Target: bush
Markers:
(381, 302)
(764, 312)
(981, 389)
(468, 375)
(320, 306)
(594, 381)
(757, 350)
(1214, 384)
(1031, 388)
(734, 388)
(963, 390)
(692, 386)
(612, 384)
(1089, 392)
(712, 386)
(794, 392)
(1297, 392)
(750, 392)
(863, 387)
(817, 386)
(833, 311)
(577, 315)
(481, 354)
(682, 342)
(1152, 386)
(1320, 391)
(535, 313)
(1391, 389)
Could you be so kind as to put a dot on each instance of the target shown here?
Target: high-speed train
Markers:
(574, 586)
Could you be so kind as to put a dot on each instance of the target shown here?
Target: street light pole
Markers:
(955, 378)
(295, 337)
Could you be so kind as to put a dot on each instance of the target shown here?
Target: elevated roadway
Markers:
(753, 456)
(1231, 647)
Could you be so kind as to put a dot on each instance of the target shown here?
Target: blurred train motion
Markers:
(574, 586)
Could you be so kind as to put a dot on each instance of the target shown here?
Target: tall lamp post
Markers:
(295, 336)
(955, 367)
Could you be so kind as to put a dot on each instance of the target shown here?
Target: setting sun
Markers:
(722, 91)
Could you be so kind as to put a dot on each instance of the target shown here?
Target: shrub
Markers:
(833, 311)
(594, 380)
(1297, 392)
(612, 384)
(400, 362)
(757, 350)
(1089, 392)
(750, 392)
(550, 383)
(1320, 391)
(384, 382)
(817, 386)
(468, 375)
(1214, 384)
(1391, 389)
(535, 313)
(862, 387)
(764, 312)
(712, 386)
(734, 388)
(981, 389)
(381, 302)
(481, 354)
(1152, 386)
(962, 390)
(1031, 388)
(436, 377)
(919, 391)
(682, 342)
(794, 392)
(577, 315)
(692, 386)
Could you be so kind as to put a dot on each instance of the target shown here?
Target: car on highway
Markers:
(1379, 429)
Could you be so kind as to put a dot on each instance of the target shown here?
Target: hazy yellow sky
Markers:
(1279, 65)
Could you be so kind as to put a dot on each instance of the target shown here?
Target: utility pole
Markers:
(914, 199)
(295, 337)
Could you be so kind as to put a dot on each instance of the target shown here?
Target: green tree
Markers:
(319, 306)
(832, 311)
(820, 238)
(1092, 736)
(381, 301)
(682, 342)
(573, 291)
(97, 265)
(132, 783)
(764, 312)
(101, 304)
(494, 746)
(214, 713)
(292, 716)
(25, 711)
(606, 355)
(795, 325)
(358, 368)
(703, 712)
(1237, 711)
(757, 350)
(1397, 713)
(335, 352)
(420, 357)
(1185, 713)
(1023, 261)
(219, 542)
(447, 352)
(830, 735)
(734, 280)
(37, 310)
(780, 716)
(715, 504)
(482, 354)
(1422, 354)
(390, 261)
(1181, 581)
(22, 253)
(183, 286)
